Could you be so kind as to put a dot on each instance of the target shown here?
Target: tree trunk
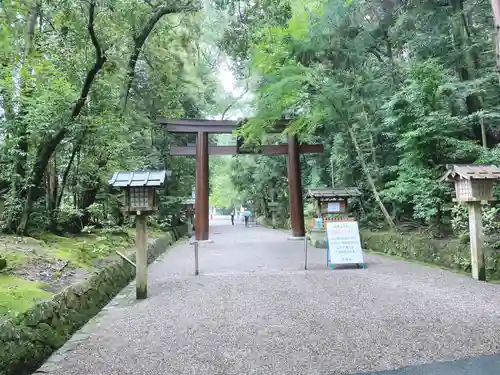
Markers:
(390, 56)
(46, 150)
(366, 171)
(51, 192)
(483, 133)
(374, 154)
(86, 200)
(76, 150)
(139, 40)
(20, 132)
(495, 6)
(43, 156)
(466, 65)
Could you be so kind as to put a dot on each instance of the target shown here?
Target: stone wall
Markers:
(449, 253)
(29, 338)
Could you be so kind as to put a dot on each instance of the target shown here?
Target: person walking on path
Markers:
(246, 215)
(232, 218)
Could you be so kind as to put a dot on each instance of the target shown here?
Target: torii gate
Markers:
(202, 150)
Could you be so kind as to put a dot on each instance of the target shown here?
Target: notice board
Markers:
(344, 244)
(334, 207)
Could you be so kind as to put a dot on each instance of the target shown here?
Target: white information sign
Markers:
(343, 242)
(334, 207)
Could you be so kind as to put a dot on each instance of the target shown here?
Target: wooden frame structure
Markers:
(140, 200)
(329, 195)
(474, 186)
(202, 150)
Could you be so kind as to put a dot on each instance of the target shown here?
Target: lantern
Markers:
(473, 183)
(473, 186)
(140, 189)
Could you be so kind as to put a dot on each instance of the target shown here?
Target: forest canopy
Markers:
(81, 83)
(394, 89)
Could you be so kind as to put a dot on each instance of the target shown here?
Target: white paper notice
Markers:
(334, 207)
(344, 242)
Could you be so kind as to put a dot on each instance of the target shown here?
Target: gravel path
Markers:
(254, 310)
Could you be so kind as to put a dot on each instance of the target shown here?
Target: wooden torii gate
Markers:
(202, 150)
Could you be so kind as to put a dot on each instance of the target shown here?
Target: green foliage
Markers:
(394, 91)
(65, 130)
(222, 190)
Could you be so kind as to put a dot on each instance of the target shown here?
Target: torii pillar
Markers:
(201, 205)
(295, 189)
(202, 150)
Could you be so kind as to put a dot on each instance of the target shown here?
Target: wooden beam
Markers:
(231, 150)
(212, 150)
(210, 126)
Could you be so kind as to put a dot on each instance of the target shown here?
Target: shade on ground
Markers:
(254, 310)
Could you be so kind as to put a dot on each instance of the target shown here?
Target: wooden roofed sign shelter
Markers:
(202, 150)
(332, 200)
(331, 206)
(473, 186)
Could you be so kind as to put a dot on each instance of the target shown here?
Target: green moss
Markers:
(15, 258)
(17, 295)
(44, 328)
(84, 250)
(18, 250)
(451, 253)
(154, 233)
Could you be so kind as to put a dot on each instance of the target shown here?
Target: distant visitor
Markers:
(246, 215)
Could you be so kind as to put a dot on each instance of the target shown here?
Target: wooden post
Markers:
(141, 260)
(273, 218)
(318, 208)
(201, 219)
(476, 241)
(190, 225)
(273, 208)
(295, 188)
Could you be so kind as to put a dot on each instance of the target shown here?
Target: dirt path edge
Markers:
(29, 338)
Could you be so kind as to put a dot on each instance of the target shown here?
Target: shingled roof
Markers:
(471, 171)
(139, 178)
(333, 193)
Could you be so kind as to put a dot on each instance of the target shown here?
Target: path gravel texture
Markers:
(254, 310)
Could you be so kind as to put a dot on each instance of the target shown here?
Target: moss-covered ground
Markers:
(39, 267)
(18, 295)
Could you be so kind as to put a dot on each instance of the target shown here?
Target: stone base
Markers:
(293, 238)
(192, 241)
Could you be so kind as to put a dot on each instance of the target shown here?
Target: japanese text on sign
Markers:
(344, 242)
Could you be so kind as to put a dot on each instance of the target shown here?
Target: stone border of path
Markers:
(29, 338)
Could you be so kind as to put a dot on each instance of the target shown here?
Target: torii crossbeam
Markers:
(202, 150)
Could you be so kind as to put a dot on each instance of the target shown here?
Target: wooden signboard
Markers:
(344, 244)
(335, 207)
